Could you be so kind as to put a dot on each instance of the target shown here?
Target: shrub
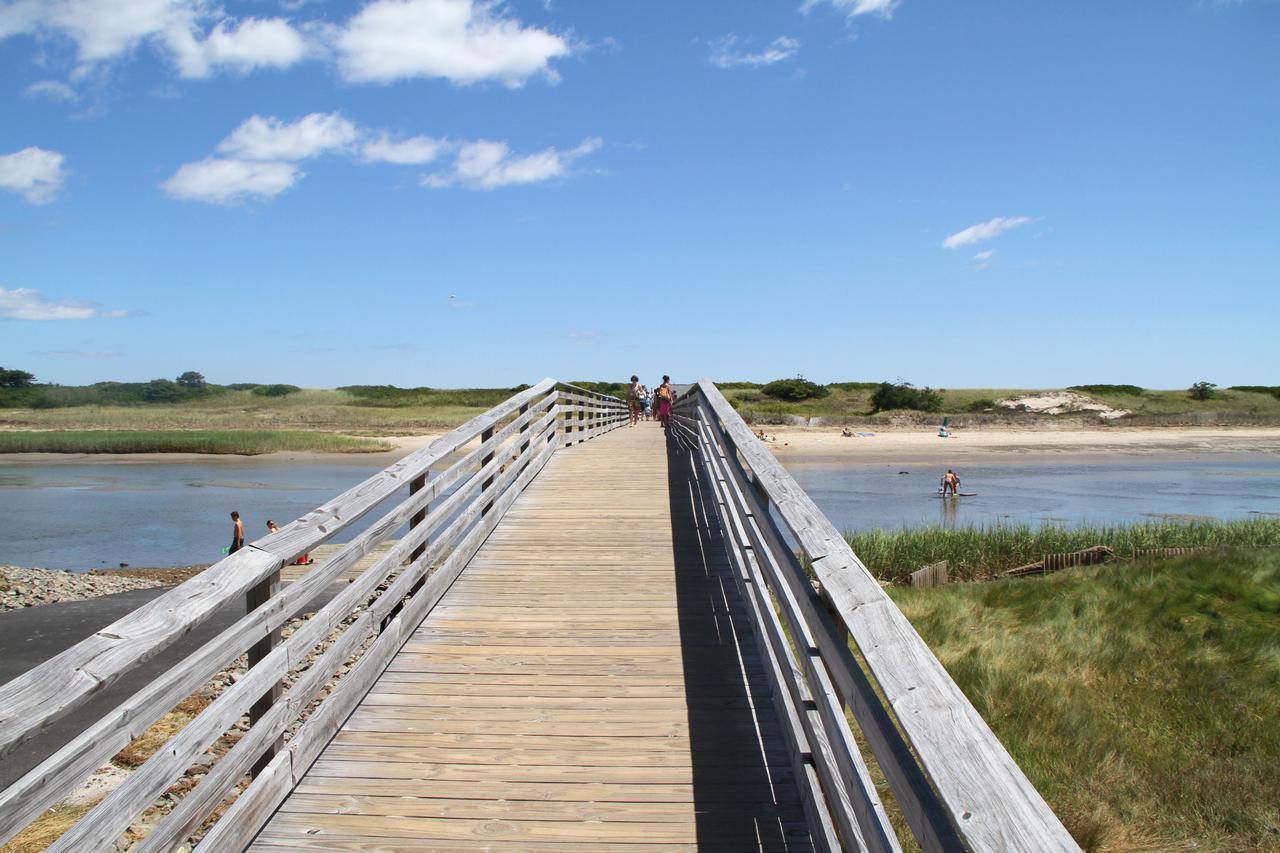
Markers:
(275, 390)
(738, 386)
(242, 386)
(903, 395)
(192, 379)
(162, 391)
(1202, 390)
(853, 386)
(1130, 390)
(16, 379)
(982, 405)
(1273, 390)
(794, 390)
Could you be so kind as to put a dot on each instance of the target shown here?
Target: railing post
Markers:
(253, 599)
(485, 460)
(416, 485)
(524, 446)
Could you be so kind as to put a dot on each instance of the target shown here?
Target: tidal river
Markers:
(85, 515)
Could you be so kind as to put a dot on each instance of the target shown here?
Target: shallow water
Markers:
(91, 515)
(1124, 490)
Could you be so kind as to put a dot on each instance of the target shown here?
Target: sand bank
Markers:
(818, 445)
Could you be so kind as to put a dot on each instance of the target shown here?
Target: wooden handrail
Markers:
(515, 439)
(956, 785)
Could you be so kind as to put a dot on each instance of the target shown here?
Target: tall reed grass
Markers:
(241, 442)
(984, 551)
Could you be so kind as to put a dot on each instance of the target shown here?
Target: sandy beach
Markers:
(819, 445)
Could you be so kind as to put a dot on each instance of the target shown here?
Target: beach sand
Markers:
(799, 445)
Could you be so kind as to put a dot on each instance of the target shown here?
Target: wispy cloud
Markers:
(23, 303)
(53, 90)
(854, 8)
(220, 181)
(727, 53)
(488, 165)
(269, 138)
(34, 173)
(984, 231)
(258, 158)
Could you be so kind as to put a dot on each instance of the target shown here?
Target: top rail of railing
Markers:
(956, 785)
(458, 488)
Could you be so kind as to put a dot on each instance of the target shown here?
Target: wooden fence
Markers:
(953, 782)
(448, 513)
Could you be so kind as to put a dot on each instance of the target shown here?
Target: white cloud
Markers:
(53, 90)
(77, 353)
(854, 8)
(984, 231)
(985, 255)
(23, 303)
(462, 41)
(268, 138)
(254, 43)
(34, 173)
(230, 181)
(413, 151)
(488, 165)
(104, 30)
(726, 54)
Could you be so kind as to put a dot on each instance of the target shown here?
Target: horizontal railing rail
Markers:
(953, 782)
(458, 488)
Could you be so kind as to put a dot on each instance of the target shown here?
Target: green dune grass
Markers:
(983, 552)
(1141, 699)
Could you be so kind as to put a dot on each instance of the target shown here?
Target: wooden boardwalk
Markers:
(589, 681)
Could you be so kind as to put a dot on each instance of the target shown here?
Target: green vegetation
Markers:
(794, 390)
(240, 442)
(982, 552)
(1273, 390)
(16, 379)
(1132, 390)
(903, 395)
(389, 396)
(274, 390)
(1141, 699)
(1202, 390)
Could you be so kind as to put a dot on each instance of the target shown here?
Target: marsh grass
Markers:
(985, 551)
(1141, 699)
(241, 442)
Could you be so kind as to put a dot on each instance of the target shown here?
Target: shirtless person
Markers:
(237, 533)
(950, 482)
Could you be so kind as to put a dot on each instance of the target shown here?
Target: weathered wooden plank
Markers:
(118, 809)
(66, 681)
(237, 826)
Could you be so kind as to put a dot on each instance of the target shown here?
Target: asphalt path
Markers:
(32, 635)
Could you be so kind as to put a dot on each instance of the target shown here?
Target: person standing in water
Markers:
(237, 533)
(951, 483)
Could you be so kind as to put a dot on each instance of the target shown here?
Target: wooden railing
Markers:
(953, 783)
(442, 517)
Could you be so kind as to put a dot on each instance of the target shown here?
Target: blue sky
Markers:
(450, 193)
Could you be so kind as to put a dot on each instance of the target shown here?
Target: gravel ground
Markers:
(21, 587)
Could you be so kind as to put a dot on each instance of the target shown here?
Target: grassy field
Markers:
(231, 441)
(1141, 699)
(983, 552)
(381, 410)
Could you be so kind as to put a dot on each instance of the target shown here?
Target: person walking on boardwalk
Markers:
(666, 397)
(646, 400)
(237, 533)
(634, 399)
